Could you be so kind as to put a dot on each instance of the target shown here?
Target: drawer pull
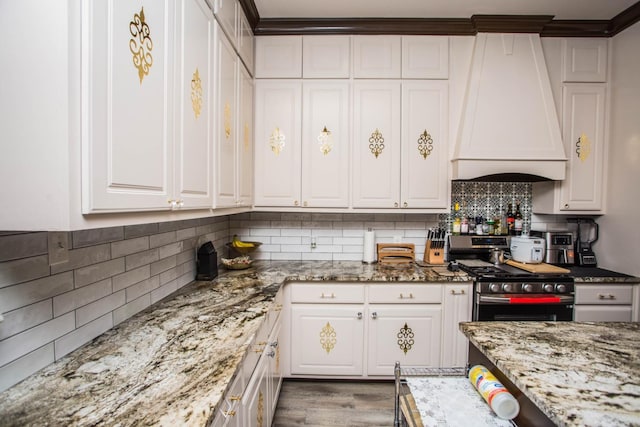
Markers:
(230, 413)
(359, 315)
(453, 292)
(606, 296)
(234, 398)
(409, 297)
(374, 315)
(327, 296)
(258, 350)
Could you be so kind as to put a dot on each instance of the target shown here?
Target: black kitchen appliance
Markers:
(506, 293)
(207, 263)
(587, 236)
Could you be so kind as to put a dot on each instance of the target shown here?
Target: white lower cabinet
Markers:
(409, 334)
(599, 302)
(361, 330)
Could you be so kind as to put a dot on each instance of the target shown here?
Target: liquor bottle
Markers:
(518, 222)
(510, 220)
(457, 222)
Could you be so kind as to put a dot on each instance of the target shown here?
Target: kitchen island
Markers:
(172, 363)
(575, 373)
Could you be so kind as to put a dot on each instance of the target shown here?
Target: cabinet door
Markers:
(255, 402)
(127, 107)
(585, 60)
(377, 57)
(457, 308)
(425, 57)
(326, 57)
(278, 57)
(245, 41)
(245, 140)
(194, 130)
(583, 129)
(408, 334)
(275, 369)
(277, 143)
(327, 339)
(376, 145)
(425, 145)
(226, 130)
(325, 155)
(225, 11)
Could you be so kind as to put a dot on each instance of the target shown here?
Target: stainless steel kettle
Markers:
(497, 256)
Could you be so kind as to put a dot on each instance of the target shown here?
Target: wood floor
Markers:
(335, 403)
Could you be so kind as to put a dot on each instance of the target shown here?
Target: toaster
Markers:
(527, 249)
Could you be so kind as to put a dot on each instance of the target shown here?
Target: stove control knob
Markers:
(507, 287)
(548, 287)
(560, 288)
(527, 287)
(494, 287)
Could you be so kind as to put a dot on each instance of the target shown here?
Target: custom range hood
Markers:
(509, 125)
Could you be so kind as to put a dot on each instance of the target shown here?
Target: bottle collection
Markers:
(499, 223)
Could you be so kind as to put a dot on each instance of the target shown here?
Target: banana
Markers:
(237, 243)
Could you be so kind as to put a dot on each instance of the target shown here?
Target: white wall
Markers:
(619, 245)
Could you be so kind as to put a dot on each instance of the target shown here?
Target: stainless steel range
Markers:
(503, 292)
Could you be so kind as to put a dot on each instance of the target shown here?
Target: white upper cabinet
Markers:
(377, 57)
(325, 144)
(245, 41)
(226, 13)
(194, 119)
(326, 57)
(376, 144)
(244, 182)
(585, 60)
(277, 142)
(425, 57)
(226, 122)
(142, 124)
(278, 57)
(425, 145)
(584, 138)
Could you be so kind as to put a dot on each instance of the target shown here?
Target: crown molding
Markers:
(544, 25)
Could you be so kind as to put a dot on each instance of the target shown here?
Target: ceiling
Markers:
(559, 9)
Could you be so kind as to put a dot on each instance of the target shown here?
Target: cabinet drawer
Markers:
(604, 294)
(407, 294)
(327, 293)
(602, 313)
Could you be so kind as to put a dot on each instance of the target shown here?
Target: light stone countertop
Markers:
(577, 373)
(171, 364)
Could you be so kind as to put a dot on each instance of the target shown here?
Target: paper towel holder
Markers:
(369, 252)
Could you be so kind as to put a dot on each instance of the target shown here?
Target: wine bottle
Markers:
(518, 221)
(510, 220)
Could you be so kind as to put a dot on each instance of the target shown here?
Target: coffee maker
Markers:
(587, 235)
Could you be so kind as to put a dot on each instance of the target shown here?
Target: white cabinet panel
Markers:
(226, 129)
(602, 313)
(585, 60)
(277, 142)
(225, 11)
(376, 57)
(245, 141)
(328, 339)
(245, 41)
(425, 145)
(326, 57)
(194, 124)
(408, 334)
(425, 57)
(376, 145)
(278, 57)
(127, 98)
(325, 163)
(457, 308)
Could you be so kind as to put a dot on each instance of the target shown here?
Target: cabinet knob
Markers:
(274, 344)
(271, 353)
(566, 205)
(359, 315)
(304, 204)
(395, 205)
(374, 315)
(405, 204)
(296, 203)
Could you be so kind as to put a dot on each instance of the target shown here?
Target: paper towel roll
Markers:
(369, 253)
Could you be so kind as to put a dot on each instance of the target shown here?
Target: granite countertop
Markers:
(171, 364)
(577, 373)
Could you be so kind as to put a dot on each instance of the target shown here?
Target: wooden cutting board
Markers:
(538, 268)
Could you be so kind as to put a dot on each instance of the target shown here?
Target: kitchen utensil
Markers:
(528, 250)
(538, 268)
(396, 253)
(497, 256)
(587, 236)
(560, 246)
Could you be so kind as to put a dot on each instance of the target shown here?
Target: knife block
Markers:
(433, 255)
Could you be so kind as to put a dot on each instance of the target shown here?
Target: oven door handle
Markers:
(556, 299)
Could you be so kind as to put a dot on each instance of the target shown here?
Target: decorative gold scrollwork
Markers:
(141, 44)
(227, 120)
(405, 338)
(328, 338)
(376, 143)
(325, 139)
(276, 141)
(196, 93)
(583, 147)
(260, 415)
(425, 144)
